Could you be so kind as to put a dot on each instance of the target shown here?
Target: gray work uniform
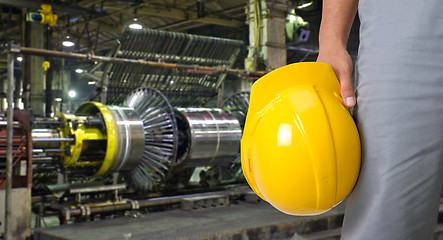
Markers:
(400, 119)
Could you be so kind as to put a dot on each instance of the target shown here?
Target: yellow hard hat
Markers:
(300, 149)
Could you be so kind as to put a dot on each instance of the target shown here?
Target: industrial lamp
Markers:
(135, 24)
(67, 42)
(304, 4)
(72, 94)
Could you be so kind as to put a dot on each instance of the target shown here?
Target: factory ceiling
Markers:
(97, 23)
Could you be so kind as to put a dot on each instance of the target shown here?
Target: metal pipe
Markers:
(15, 140)
(48, 150)
(15, 123)
(46, 121)
(123, 206)
(53, 139)
(14, 152)
(9, 137)
(92, 57)
(97, 189)
(67, 213)
(302, 49)
(41, 160)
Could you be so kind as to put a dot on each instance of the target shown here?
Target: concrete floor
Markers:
(244, 220)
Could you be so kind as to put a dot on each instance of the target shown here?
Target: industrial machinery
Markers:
(96, 140)
(188, 87)
(21, 150)
(106, 159)
(20, 172)
(138, 152)
(146, 140)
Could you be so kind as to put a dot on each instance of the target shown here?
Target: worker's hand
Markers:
(341, 62)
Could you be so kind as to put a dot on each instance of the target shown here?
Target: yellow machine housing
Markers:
(300, 148)
(102, 139)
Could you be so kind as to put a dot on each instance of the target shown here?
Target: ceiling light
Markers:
(135, 25)
(304, 4)
(19, 59)
(91, 83)
(79, 70)
(72, 94)
(58, 99)
(67, 42)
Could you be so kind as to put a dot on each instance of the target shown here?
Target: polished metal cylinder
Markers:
(130, 139)
(45, 138)
(208, 137)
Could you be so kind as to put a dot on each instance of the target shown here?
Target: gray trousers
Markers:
(400, 120)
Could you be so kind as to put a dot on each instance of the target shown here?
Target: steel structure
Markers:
(185, 87)
(96, 58)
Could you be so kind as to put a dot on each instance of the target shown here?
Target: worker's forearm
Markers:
(337, 19)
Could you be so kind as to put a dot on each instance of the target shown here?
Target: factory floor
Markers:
(242, 221)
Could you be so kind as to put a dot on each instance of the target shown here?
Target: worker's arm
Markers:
(337, 19)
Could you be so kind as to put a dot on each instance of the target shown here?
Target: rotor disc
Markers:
(238, 105)
(160, 133)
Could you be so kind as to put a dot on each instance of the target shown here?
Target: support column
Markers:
(105, 83)
(65, 81)
(36, 79)
(267, 48)
(48, 91)
(253, 19)
(267, 38)
(273, 46)
(9, 135)
(19, 225)
(3, 88)
(49, 76)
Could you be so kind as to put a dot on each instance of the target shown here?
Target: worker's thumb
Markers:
(347, 90)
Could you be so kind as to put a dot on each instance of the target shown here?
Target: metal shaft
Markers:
(53, 139)
(9, 137)
(91, 57)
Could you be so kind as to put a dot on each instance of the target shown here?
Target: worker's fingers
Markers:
(341, 62)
